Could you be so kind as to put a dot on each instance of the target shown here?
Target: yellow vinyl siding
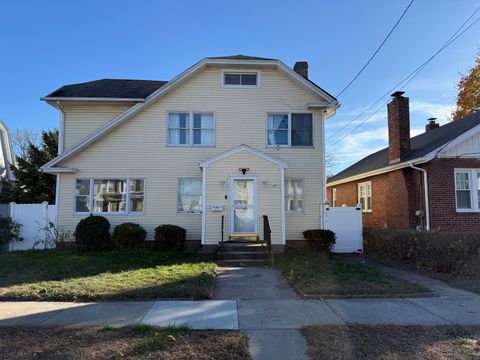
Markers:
(81, 120)
(139, 148)
(218, 186)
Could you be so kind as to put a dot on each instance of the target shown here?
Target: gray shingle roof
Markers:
(110, 88)
(420, 145)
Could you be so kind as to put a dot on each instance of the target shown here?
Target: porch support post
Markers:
(204, 203)
(282, 201)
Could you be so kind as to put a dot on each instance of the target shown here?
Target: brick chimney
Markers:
(301, 68)
(398, 127)
(431, 124)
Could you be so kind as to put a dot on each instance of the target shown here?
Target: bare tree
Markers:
(330, 162)
(22, 138)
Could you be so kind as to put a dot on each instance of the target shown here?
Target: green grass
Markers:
(55, 275)
(321, 274)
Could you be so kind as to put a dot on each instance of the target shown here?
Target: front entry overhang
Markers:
(204, 165)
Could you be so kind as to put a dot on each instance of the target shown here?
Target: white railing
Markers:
(35, 220)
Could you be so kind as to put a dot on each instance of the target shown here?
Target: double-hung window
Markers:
(290, 130)
(467, 189)
(334, 197)
(189, 196)
(365, 196)
(191, 129)
(293, 196)
(109, 196)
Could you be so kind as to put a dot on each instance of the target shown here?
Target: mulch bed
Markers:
(392, 342)
(124, 343)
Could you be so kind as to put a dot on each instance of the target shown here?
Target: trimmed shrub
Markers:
(320, 240)
(9, 230)
(170, 238)
(93, 234)
(129, 236)
(441, 251)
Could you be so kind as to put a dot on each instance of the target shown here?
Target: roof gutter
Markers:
(425, 184)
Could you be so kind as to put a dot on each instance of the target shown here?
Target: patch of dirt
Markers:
(392, 342)
(116, 344)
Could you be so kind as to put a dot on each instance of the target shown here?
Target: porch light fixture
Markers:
(243, 170)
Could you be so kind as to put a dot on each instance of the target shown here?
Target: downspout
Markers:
(425, 185)
(60, 150)
(324, 203)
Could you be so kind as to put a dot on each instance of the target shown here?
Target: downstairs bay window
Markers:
(109, 196)
(467, 190)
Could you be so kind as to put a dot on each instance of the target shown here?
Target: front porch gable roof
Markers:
(206, 163)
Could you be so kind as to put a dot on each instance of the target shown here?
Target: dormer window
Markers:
(239, 79)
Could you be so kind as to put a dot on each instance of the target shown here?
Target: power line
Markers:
(408, 78)
(376, 51)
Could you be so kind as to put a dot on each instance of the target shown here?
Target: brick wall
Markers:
(396, 197)
(441, 186)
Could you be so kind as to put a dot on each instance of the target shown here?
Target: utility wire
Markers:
(376, 51)
(408, 78)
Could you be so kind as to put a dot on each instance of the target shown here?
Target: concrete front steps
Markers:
(239, 254)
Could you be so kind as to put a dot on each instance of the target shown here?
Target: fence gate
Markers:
(346, 223)
(34, 219)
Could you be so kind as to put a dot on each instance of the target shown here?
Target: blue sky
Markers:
(44, 45)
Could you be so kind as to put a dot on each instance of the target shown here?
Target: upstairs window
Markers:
(191, 129)
(290, 130)
(467, 189)
(240, 79)
(365, 196)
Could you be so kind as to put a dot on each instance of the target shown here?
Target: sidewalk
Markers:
(264, 308)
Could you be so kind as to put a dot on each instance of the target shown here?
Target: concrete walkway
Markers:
(259, 302)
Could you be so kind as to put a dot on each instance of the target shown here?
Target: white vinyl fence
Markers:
(35, 220)
(346, 223)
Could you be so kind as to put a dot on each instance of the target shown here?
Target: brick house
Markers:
(430, 181)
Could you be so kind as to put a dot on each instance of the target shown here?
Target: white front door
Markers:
(243, 205)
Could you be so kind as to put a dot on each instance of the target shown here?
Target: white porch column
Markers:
(204, 203)
(282, 201)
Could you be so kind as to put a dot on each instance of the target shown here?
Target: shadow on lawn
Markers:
(148, 269)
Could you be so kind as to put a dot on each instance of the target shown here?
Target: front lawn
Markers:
(140, 342)
(61, 276)
(392, 342)
(320, 274)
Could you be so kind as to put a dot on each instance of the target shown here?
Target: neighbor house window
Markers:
(467, 189)
(113, 196)
(290, 129)
(191, 129)
(189, 197)
(365, 195)
(240, 79)
(334, 197)
(293, 196)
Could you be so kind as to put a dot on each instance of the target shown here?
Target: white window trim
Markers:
(473, 186)
(296, 212)
(334, 197)
(289, 145)
(190, 129)
(366, 197)
(127, 197)
(176, 196)
(239, 72)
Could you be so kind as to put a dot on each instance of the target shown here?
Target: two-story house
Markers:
(232, 138)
